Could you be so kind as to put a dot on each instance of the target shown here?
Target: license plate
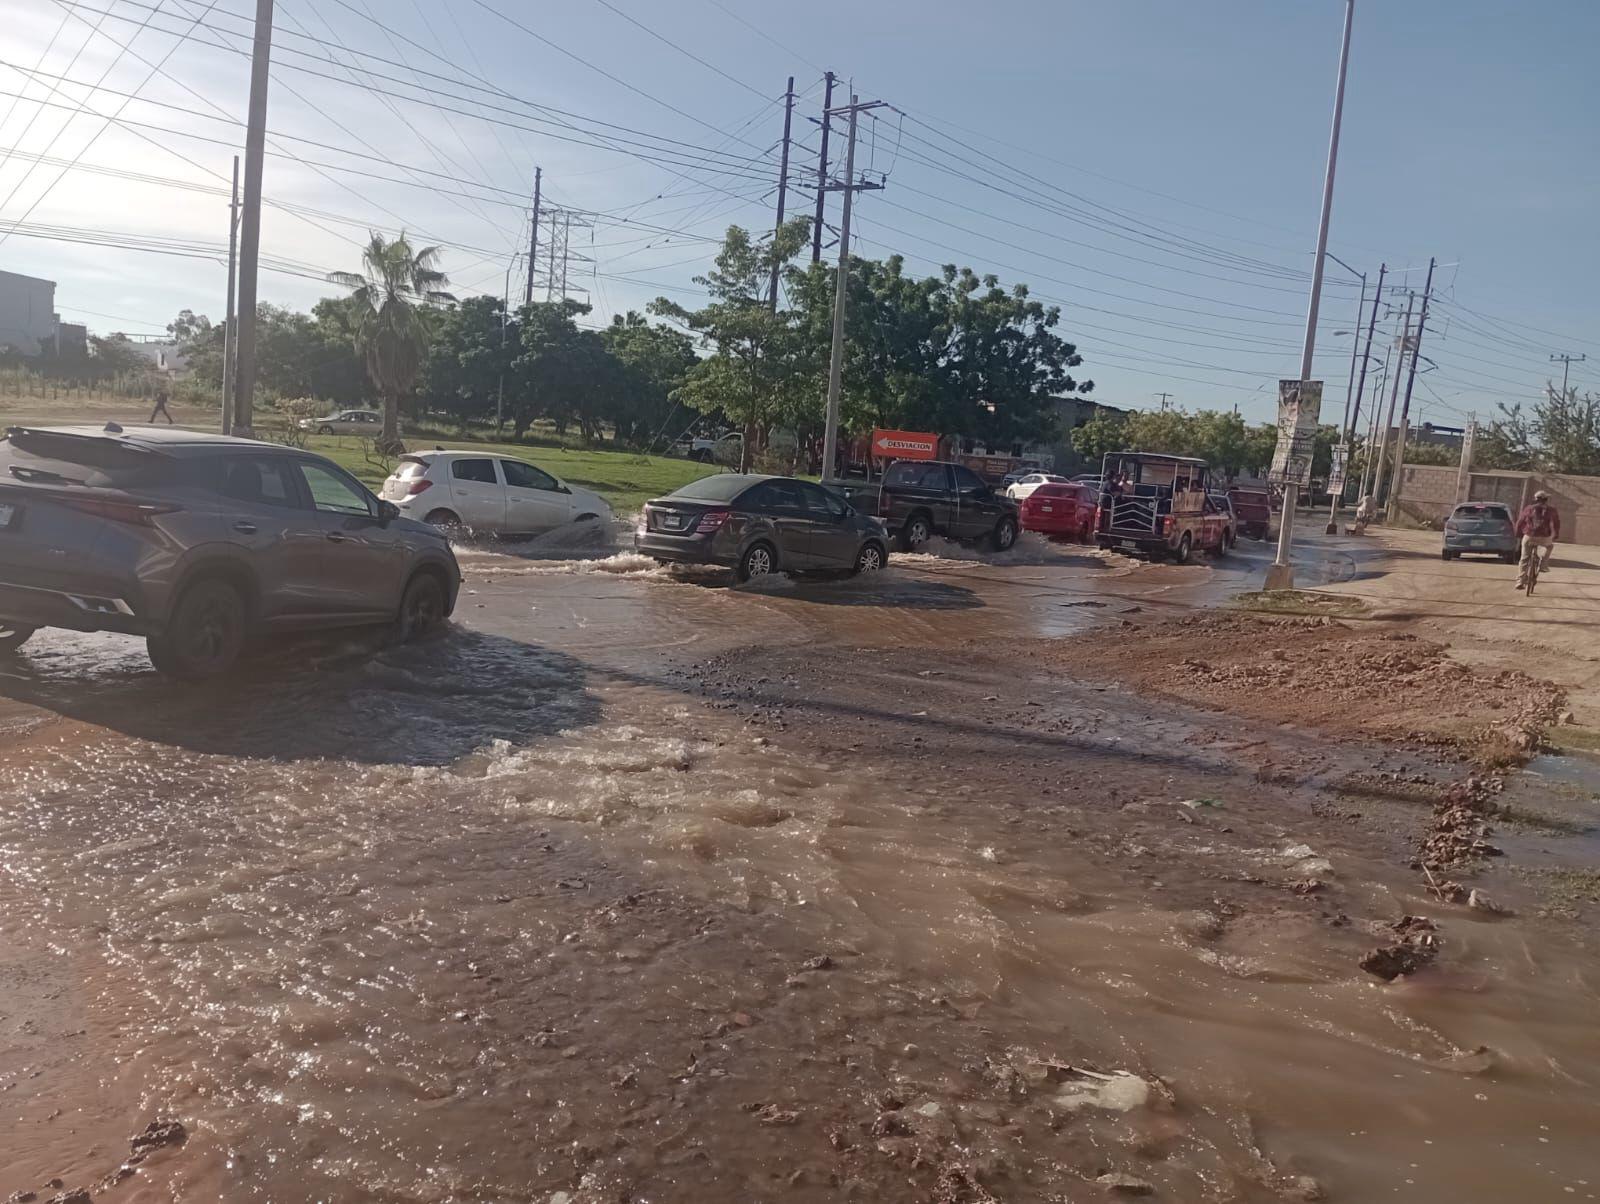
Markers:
(8, 515)
(671, 522)
(1479, 543)
(1130, 545)
(1047, 509)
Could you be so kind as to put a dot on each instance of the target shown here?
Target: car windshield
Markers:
(722, 487)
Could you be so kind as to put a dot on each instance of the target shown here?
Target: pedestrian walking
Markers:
(161, 407)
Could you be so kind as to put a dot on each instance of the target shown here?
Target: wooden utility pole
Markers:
(1405, 410)
(533, 236)
(244, 382)
(822, 168)
(783, 184)
(1394, 398)
(228, 324)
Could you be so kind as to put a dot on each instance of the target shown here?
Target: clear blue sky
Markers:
(1153, 165)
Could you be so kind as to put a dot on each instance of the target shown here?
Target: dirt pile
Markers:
(1323, 673)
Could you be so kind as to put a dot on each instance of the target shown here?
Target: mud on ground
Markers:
(1342, 678)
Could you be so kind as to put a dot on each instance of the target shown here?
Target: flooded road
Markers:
(636, 886)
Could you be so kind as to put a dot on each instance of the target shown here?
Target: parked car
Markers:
(476, 491)
(1028, 482)
(1252, 510)
(757, 525)
(1222, 507)
(1060, 508)
(346, 422)
(1482, 528)
(918, 499)
(199, 543)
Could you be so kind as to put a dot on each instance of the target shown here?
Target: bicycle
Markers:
(1536, 565)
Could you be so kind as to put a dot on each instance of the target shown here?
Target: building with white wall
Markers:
(27, 313)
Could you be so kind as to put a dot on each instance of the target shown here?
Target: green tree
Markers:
(756, 371)
(397, 283)
(1104, 432)
(470, 358)
(1222, 439)
(653, 361)
(189, 327)
(1170, 432)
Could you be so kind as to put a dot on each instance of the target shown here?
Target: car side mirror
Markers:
(387, 512)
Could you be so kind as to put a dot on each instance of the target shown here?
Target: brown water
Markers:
(495, 919)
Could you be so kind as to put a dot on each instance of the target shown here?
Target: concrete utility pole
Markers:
(1366, 356)
(1464, 473)
(822, 168)
(244, 382)
(1337, 496)
(1394, 398)
(533, 236)
(830, 434)
(1281, 575)
(1566, 361)
(1405, 410)
(227, 328)
(1370, 467)
(783, 183)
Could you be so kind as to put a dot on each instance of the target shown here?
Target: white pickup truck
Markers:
(717, 449)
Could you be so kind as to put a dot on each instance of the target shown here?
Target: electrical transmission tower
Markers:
(555, 257)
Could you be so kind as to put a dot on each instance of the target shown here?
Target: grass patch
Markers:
(1567, 887)
(1301, 602)
(625, 479)
(1543, 821)
(1570, 738)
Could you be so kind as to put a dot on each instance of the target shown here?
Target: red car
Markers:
(1060, 509)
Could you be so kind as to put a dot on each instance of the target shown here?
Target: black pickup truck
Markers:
(918, 499)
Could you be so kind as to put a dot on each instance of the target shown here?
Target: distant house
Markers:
(27, 314)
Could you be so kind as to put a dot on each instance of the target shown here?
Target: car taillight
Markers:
(417, 487)
(1166, 525)
(711, 520)
(1451, 527)
(138, 514)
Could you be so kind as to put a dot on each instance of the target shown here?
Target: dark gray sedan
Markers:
(757, 525)
(1481, 529)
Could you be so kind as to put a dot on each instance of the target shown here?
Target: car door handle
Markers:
(244, 528)
(338, 537)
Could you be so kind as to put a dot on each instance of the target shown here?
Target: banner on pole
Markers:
(1299, 408)
(1341, 453)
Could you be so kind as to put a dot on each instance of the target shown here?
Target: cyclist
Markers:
(1539, 524)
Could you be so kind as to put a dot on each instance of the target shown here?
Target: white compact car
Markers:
(346, 422)
(1028, 482)
(487, 493)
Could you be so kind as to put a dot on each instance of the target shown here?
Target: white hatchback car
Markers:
(488, 493)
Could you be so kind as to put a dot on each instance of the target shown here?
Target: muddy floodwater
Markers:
(635, 886)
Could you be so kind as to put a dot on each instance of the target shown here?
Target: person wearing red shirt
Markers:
(1539, 524)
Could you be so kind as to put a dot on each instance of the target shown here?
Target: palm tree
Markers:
(389, 294)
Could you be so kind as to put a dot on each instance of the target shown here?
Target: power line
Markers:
(686, 53)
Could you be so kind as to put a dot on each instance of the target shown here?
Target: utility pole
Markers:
(1405, 410)
(1370, 467)
(1336, 497)
(533, 236)
(244, 381)
(830, 434)
(505, 304)
(822, 168)
(1566, 361)
(1163, 397)
(1394, 397)
(1464, 473)
(227, 328)
(1281, 575)
(1366, 354)
(783, 185)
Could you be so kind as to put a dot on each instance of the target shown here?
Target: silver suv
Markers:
(199, 542)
